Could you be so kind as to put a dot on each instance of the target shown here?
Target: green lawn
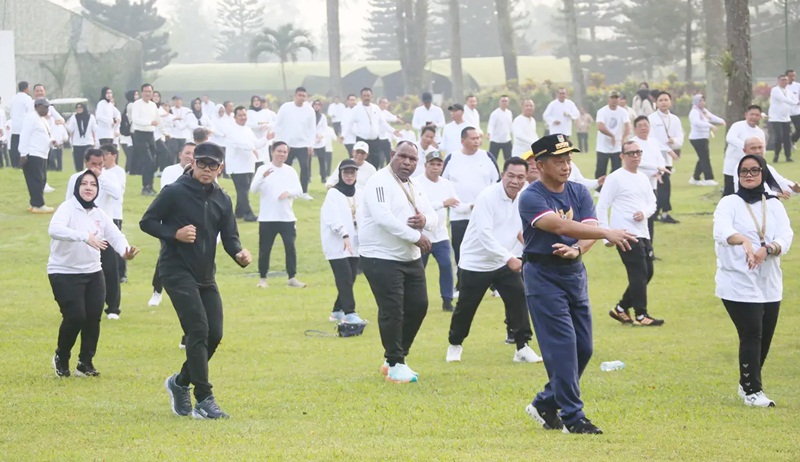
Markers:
(298, 398)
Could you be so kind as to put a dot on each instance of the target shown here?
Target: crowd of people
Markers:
(518, 230)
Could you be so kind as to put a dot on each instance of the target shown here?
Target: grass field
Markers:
(297, 398)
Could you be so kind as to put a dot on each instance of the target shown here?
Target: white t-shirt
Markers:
(282, 179)
(470, 174)
(626, 193)
(615, 122)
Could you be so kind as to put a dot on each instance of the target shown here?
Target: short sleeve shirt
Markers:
(574, 203)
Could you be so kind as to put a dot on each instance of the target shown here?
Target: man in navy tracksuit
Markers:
(187, 216)
(560, 225)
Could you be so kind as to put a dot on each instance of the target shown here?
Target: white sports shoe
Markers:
(306, 197)
(113, 316)
(48, 189)
(155, 300)
(758, 399)
(262, 284)
(455, 294)
(454, 353)
(694, 182)
(741, 392)
(709, 183)
(400, 373)
(526, 355)
(293, 282)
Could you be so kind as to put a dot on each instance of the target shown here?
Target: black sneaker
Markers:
(647, 321)
(510, 339)
(669, 220)
(208, 409)
(447, 305)
(583, 426)
(180, 397)
(621, 315)
(86, 369)
(549, 419)
(61, 366)
(250, 218)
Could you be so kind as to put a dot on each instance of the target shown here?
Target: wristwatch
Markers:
(578, 248)
(770, 250)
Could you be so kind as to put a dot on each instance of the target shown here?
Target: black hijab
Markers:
(198, 114)
(318, 114)
(347, 189)
(260, 106)
(129, 95)
(753, 195)
(82, 119)
(77, 190)
(103, 94)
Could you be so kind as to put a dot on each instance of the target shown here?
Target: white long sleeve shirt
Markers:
(209, 109)
(296, 125)
(470, 175)
(143, 115)
(192, 123)
(662, 128)
(337, 218)
(171, 174)
(90, 135)
(112, 190)
(388, 131)
(220, 126)
(701, 123)
(180, 124)
(564, 113)
(365, 172)
(626, 193)
(423, 115)
(576, 176)
(652, 160)
(347, 134)
(240, 155)
(451, 138)
(738, 133)
(735, 281)
(36, 137)
(499, 127)
(473, 118)
(319, 137)
(382, 228)
(282, 179)
(69, 232)
(615, 121)
(104, 114)
(19, 105)
(336, 111)
(525, 135)
(437, 193)
(367, 122)
(491, 236)
(781, 104)
(261, 123)
(794, 94)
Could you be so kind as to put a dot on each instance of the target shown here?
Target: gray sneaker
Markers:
(293, 282)
(180, 397)
(208, 409)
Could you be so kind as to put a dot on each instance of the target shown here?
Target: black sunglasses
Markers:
(202, 164)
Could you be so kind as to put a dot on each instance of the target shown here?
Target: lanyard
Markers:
(352, 204)
(46, 126)
(762, 231)
(410, 197)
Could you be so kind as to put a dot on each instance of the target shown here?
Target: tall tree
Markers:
(579, 87)
(737, 60)
(238, 21)
(285, 43)
(380, 41)
(334, 47)
(688, 40)
(714, 13)
(456, 72)
(506, 30)
(647, 43)
(411, 31)
(192, 38)
(137, 19)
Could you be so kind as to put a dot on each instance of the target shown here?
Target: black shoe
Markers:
(669, 220)
(148, 192)
(621, 315)
(647, 321)
(789, 160)
(510, 339)
(583, 426)
(549, 419)
(775, 160)
(250, 218)
(61, 366)
(86, 369)
(180, 398)
(208, 409)
(447, 305)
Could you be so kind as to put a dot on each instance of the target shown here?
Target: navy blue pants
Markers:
(441, 252)
(558, 300)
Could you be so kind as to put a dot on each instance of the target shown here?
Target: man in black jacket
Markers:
(187, 216)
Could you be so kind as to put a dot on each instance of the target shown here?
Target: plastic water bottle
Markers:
(612, 366)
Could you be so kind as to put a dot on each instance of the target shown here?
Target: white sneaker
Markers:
(454, 353)
(293, 282)
(694, 182)
(306, 197)
(262, 284)
(709, 183)
(113, 316)
(48, 189)
(526, 355)
(741, 392)
(758, 399)
(495, 294)
(42, 210)
(400, 373)
(455, 294)
(155, 300)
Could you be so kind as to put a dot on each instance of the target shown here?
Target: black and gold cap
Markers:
(552, 145)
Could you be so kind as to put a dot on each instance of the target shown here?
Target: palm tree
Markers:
(284, 43)
(571, 23)
(334, 48)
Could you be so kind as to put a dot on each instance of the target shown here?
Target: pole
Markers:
(786, 29)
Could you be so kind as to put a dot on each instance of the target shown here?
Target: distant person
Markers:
(366, 122)
(346, 137)
(582, 124)
(82, 128)
(336, 112)
(388, 133)
(738, 133)
(297, 126)
(196, 119)
(209, 107)
(613, 128)
(666, 128)
(320, 141)
(793, 88)
(241, 156)
(651, 162)
(471, 115)
(261, 121)
(781, 105)
(105, 114)
(623, 103)
(20, 104)
(428, 114)
(451, 134)
(365, 169)
(179, 132)
(560, 113)
(426, 145)
(703, 124)
(524, 129)
(145, 118)
(642, 103)
(499, 129)
(35, 141)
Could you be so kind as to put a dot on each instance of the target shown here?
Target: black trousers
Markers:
(14, 151)
(324, 158)
(157, 286)
(337, 128)
(103, 141)
(267, 231)
(755, 323)
(164, 155)
(123, 264)
(199, 309)
(601, 167)
(583, 142)
(796, 124)
(304, 159)
(474, 285)
(402, 297)
(727, 189)
(783, 139)
(78, 157)
(349, 148)
(664, 193)
(80, 299)
(703, 166)
(110, 260)
(345, 271)
(495, 149)
(5, 160)
(175, 145)
(35, 171)
(145, 152)
(129, 155)
(241, 181)
(375, 152)
(55, 160)
(458, 229)
(386, 152)
(639, 265)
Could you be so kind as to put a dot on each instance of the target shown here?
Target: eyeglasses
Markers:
(203, 164)
(755, 171)
(633, 153)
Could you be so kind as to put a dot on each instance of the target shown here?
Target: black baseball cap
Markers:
(348, 163)
(209, 150)
(552, 145)
(455, 107)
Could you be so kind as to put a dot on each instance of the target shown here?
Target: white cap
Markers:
(361, 146)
